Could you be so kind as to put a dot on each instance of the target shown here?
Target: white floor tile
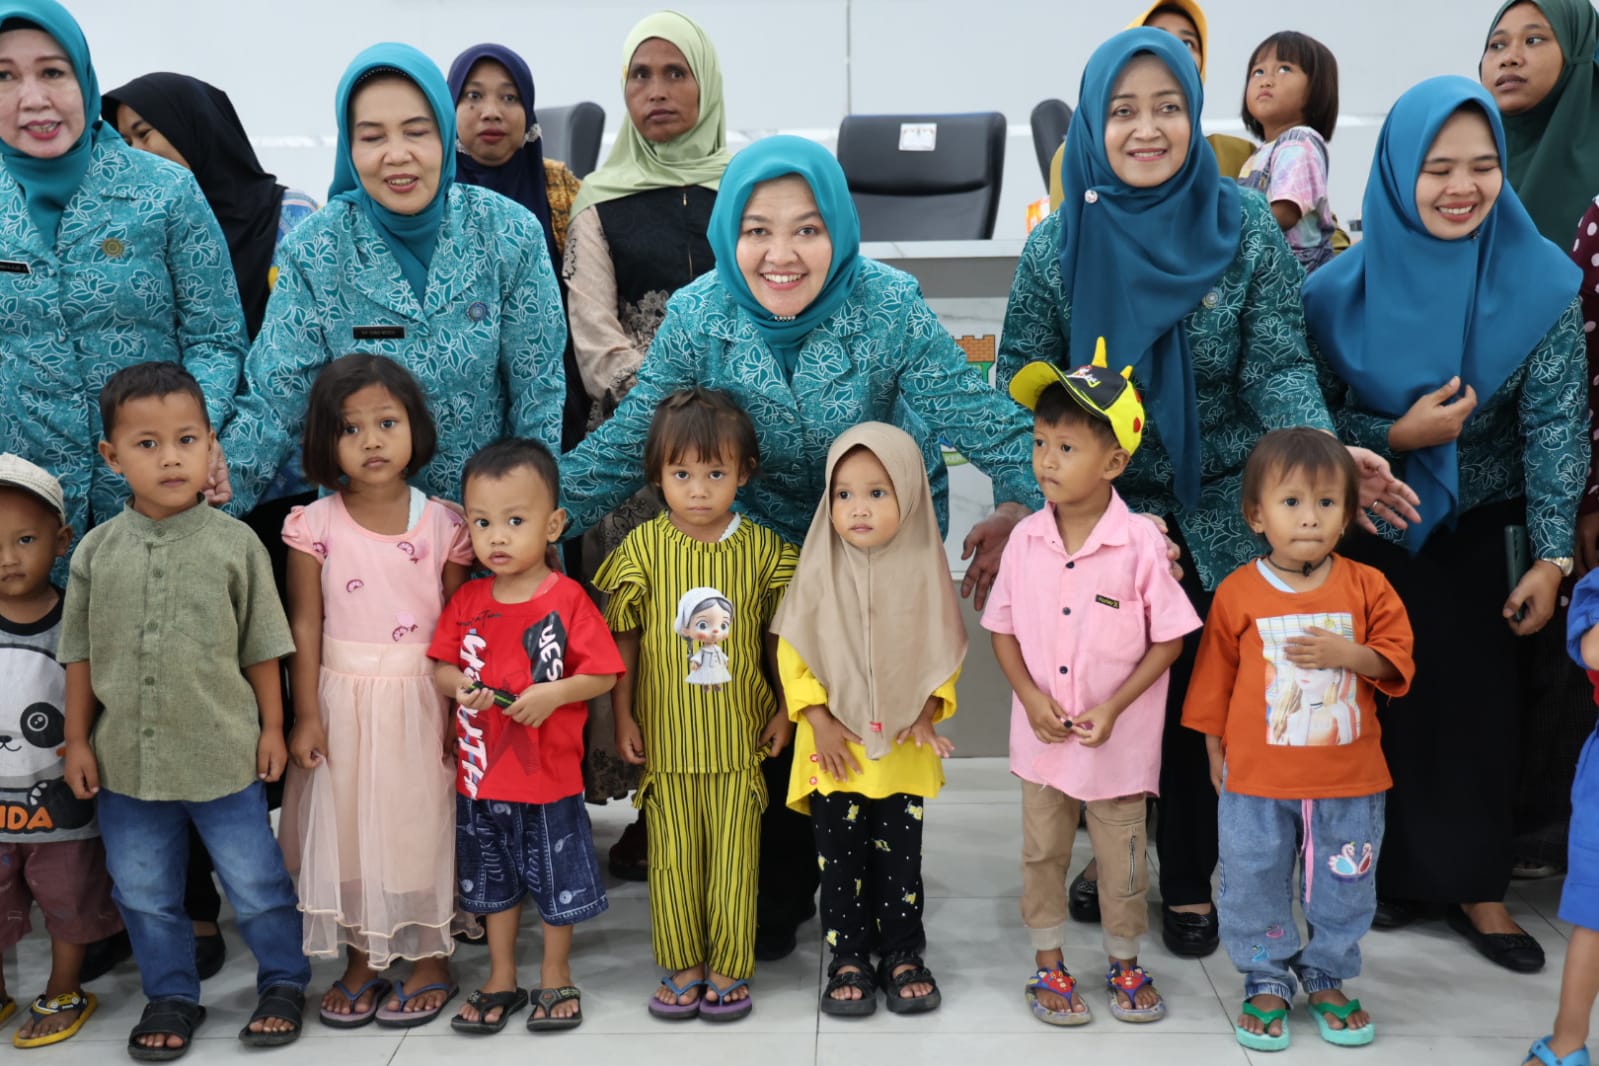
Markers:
(1435, 999)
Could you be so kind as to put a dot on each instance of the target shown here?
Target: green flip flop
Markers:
(1345, 1037)
(1262, 1041)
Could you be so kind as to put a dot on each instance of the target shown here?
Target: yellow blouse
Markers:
(908, 769)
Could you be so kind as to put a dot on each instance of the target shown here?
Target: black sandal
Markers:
(165, 1017)
(547, 999)
(893, 984)
(508, 1004)
(860, 977)
(284, 1002)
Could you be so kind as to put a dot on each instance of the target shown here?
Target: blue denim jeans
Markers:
(1335, 843)
(147, 848)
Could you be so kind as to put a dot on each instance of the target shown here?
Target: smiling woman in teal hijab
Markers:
(110, 257)
(1483, 412)
(452, 281)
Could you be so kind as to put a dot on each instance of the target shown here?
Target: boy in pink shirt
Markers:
(1087, 619)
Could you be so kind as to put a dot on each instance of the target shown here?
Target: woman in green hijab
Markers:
(637, 235)
(1539, 64)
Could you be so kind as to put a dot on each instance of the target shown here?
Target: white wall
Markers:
(798, 66)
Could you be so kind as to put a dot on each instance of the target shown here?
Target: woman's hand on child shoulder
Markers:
(271, 755)
(79, 769)
(922, 734)
(832, 743)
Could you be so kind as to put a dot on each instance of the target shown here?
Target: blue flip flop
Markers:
(1545, 1054)
(356, 1019)
(1342, 1037)
(679, 1011)
(403, 1019)
(1262, 1041)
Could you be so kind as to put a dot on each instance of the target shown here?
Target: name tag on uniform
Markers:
(1108, 602)
(11, 266)
(379, 333)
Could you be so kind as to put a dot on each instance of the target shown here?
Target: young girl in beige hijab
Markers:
(871, 643)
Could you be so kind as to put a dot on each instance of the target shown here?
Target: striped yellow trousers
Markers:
(704, 856)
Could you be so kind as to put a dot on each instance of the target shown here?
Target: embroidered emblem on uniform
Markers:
(1108, 602)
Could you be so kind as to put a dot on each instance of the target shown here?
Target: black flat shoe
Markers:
(1189, 936)
(1082, 900)
(100, 956)
(771, 945)
(1517, 952)
(1393, 914)
(209, 954)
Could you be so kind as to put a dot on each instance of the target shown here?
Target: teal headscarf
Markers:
(1135, 262)
(410, 237)
(775, 157)
(1402, 311)
(47, 184)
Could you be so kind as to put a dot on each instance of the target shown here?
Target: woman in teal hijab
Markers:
(452, 281)
(1189, 280)
(108, 257)
(809, 338)
(1484, 414)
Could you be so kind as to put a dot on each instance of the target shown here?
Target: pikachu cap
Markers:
(1099, 392)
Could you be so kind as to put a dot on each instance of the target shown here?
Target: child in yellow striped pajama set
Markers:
(692, 592)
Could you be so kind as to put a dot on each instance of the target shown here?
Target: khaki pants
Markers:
(1116, 829)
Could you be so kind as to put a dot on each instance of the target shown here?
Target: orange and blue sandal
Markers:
(1262, 1041)
(41, 1008)
(1056, 979)
(1344, 1037)
(1126, 981)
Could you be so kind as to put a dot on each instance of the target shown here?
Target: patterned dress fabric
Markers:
(485, 343)
(882, 356)
(138, 271)
(1252, 373)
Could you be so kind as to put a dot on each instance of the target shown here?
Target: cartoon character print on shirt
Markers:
(544, 642)
(33, 797)
(704, 619)
(1307, 707)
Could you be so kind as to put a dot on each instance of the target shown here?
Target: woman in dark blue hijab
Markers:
(1188, 279)
(1453, 337)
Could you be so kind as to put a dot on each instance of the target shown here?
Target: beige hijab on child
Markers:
(878, 673)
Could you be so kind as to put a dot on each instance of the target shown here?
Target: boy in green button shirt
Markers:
(172, 625)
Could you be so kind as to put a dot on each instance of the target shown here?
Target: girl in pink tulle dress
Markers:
(368, 823)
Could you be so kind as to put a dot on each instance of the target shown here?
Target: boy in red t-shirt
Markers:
(1296, 644)
(519, 653)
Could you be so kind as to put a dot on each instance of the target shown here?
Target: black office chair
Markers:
(949, 191)
(1050, 120)
(572, 134)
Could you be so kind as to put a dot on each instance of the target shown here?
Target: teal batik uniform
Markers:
(138, 271)
(1252, 373)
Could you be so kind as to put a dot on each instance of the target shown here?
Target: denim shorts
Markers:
(1579, 900)
(507, 851)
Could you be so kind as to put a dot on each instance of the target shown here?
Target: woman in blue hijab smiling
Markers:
(809, 338)
(1482, 411)
(451, 281)
(1189, 280)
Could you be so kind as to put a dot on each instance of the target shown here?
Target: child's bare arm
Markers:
(1047, 717)
(1590, 648)
(308, 742)
(1213, 752)
(82, 773)
(1322, 649)
(454, 576)
(629, 738)
(1095, 725)
(537, 702)
(271, 753)
(779, 729)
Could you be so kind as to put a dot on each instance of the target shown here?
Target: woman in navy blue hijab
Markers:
(1453, 336)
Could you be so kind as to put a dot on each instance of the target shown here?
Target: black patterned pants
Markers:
(870, 854)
